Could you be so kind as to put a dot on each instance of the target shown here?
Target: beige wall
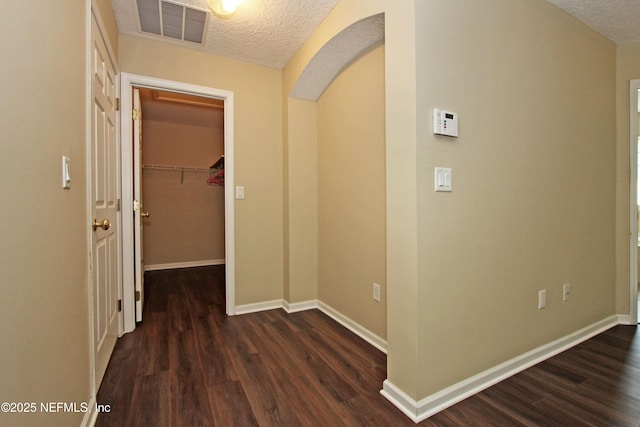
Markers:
(402, 142)
(628, 68)
(533, 176)
(351, 193)
(401, 215)
(258, 151)
(187, 214)
(533, 205)
(301, 206)
(107, 21)
(300, 160)
(43, 249)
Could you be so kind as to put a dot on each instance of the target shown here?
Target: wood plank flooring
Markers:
(188, 364)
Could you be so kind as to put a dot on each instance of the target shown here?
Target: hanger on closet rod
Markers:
(216, 172)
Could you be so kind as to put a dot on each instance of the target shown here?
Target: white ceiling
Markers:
(269, 32)
(618, 20)
(263, 32)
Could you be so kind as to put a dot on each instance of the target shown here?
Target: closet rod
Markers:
(176, 168)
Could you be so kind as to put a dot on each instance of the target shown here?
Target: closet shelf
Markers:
(176, 168)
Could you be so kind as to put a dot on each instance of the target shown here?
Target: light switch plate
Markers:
(66, 172)
(239, 192)
(443, 180)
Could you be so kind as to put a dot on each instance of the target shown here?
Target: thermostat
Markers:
(445, 122)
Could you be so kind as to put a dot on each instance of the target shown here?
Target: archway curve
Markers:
(336, 54)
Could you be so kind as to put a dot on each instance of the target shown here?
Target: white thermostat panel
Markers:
(445, 122)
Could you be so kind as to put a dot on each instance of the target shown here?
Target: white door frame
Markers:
(127, 82)
(634, 86)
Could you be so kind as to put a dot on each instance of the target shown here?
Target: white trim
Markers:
(126, 171)
(354, 327)
(187, 264)
(127, 82)
(229, 206)
(419, 411)
(625, 319)
(634, 86)
(89, 178)
(91, 416)
(299, 306)
(403, 401)
(259, 306)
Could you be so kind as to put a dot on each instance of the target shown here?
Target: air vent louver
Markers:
(149, 14)
(173, 20)
(195, 21)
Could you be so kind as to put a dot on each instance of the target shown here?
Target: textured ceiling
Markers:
(618, 20)
(269, 32)
(264, 32)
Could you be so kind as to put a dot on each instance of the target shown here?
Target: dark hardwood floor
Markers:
(188, 364)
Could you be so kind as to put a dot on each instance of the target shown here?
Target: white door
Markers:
(104, 205)
(138, 213)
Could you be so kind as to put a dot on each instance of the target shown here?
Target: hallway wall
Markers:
(43, 249)
(258, 151)
(534, 182)
(352, 194)
(533, 174)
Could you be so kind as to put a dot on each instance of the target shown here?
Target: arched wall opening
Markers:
(334, 180)
(343, 49)
(302, 193)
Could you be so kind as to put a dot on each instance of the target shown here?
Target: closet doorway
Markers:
(182, 179)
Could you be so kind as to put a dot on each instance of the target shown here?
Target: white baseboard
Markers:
(299, 306)
(354, 327)
(259, 306)
(188, 264)
(423, 409)
(625, 319)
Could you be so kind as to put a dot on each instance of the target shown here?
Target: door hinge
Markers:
(119, 305)
(135, 114)
(118, 205)
(117, 104)
(137, 295)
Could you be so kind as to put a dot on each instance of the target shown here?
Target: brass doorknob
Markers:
(104, 224)
(145, 214)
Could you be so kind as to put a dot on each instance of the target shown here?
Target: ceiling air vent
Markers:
(172, 20)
